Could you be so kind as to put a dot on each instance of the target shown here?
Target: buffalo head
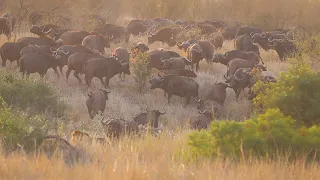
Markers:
(37, 30)
(184, 46)
(156, 82)
(234, 79)
(256, 38)
(106, 92)
(125, 68)
(261, 67)
(58, 54)
(157, 112)
(113, 127)
(141, 47)
(207, 113)
(219, 58)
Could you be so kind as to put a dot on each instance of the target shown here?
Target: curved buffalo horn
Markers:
(50, 30)
(269, 39)
(201, 112)
(65, 52)
(226, 76)
(198, 100)
(252, 34)
(105, 90)
(163, 112)
(186, 59)
(90, 93)
(281, 40)
(237, 78)
(147, 108)
(159, 74)
(52, 50)
(263, 35)
(105, 122)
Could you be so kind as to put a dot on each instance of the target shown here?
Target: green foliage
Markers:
(35, 97)
(308, 42)
(269, 135)
(296, 94)
(19, 129)
(141, 71)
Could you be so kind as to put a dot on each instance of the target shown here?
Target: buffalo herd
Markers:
(83, 52)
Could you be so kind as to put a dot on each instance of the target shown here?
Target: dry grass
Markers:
(151, 157)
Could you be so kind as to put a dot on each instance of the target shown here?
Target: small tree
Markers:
(296, 94)
(141, 71)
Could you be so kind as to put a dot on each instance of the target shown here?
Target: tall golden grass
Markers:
(150, 158)
(153, 157)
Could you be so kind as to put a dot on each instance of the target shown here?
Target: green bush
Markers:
(141, 71)
(296, 94)
(269, 135)
(17, 129)
(35, 97)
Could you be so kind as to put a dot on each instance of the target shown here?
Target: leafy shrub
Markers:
(37, 97)
(308, 42)
(268, 135)
(296, 94)
(141, 71)
(19, 129)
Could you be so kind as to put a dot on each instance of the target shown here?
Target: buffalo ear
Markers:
(90, 93)
(105, 90)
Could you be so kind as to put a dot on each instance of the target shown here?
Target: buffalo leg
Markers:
(187, 100)
(238, 91)
(61, 69)
(197, 66)
(76, 74)
(94, 113)
(88, 80)
(68, 73)
(90, 112)
(4, 60)
(41, 75)
(101, 80)
(106, 83)
(56, 72)
(169, 97)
